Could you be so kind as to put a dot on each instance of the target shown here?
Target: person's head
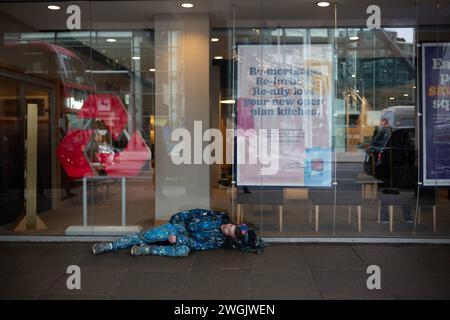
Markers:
(240, 236)
(234, 230)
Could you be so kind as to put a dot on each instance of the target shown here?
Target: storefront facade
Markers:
(307, 120)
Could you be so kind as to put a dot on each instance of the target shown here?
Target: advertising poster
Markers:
(287, 90)
(436, 113)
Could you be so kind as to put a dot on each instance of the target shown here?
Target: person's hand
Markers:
(172, 239)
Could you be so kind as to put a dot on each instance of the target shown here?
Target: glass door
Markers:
(11, 152)
(25, 157)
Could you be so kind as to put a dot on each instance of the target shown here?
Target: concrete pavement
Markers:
(283, 271)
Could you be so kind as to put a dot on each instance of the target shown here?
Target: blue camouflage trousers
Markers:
(157, 234)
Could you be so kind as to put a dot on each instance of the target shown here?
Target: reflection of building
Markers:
(376, 70)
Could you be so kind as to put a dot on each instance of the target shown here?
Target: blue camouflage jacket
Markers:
(202, 228)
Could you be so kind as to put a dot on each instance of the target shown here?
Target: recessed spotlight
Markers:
(353, 76)
(391, 98)
(214, 39)
(354, 38)
(53, 7)
(152, 69)
(218, 57)
(405, 95)
(323, 4)
(187, 5)
(111, 40)
(136, 58)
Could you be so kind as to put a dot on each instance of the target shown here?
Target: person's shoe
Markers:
(142, 250)
(103, 247)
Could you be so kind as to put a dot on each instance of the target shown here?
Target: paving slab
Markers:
(162, 264)
(120, 258)
(392, 260)
(284, 287)
(333, 258)
(279, 259)
(218, 284)
(436, 259)
(148, 286)
(95, 282)
(221, 259)
(347, 284)
(18, 286)
(407, 287)
(53, 259)
(282, 271)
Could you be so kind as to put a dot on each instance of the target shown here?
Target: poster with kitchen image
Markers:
(436, 113)
(286, 90)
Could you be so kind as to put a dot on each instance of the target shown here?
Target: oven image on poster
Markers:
(284, 105)
(436, 113)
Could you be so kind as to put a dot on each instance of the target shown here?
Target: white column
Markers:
(182, 65)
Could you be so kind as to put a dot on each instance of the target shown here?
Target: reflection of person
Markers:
(384, 215)
(380, 135)
(189, 230)
(99, 151)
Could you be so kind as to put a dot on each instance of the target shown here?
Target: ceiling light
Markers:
(391, 98)
(187, 5)
(353, 38)
(111, 40)
(53, 7)
(136, 58)
(353, 76)
(228, 101)
(323, 4)
(218, 57)
(405, 95)
(214, 39)
(152, 69)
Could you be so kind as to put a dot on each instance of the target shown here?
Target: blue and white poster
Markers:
(436, 113)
